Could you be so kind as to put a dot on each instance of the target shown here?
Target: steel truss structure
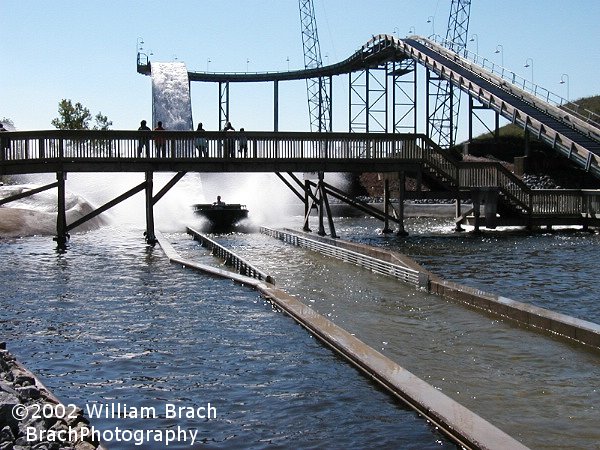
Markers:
(443, 120)
(319, 89)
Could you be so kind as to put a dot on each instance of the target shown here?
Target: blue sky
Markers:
(85, 51)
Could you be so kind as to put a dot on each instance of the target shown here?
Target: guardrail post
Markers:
(61, 217)
(150, 236)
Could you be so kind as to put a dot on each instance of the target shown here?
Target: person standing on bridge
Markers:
(201, 142)
(145, 141)
(229, 142)
(243, 139)
(159, 141)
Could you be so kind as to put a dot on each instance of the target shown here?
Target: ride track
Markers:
(571, 133)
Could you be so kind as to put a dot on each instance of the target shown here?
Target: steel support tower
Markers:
(442, 122)
(319, 89)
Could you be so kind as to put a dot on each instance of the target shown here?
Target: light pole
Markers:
(431, 20)
(396, 31)
(529, 63)
(208, 61)
(500, 49)
(288, 61)
(247, 62)
(411, 30)
(138, 45)
(475, 39)
(562, 81)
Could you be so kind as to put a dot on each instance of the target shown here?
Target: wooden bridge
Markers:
(498, 196)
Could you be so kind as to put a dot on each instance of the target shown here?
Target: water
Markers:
(112, 322)
(541, 390)
(104, 330)
(171, 100)
(553, 270)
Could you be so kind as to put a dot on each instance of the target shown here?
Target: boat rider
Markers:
(218, 202)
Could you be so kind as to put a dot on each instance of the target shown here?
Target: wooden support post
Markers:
(307, 205)
(401, 194)
(458, 212)
(61, 218)
(332, 232)
(321, 190)
(458, 226)
(476, 211)
(386, 204)
(150, 236)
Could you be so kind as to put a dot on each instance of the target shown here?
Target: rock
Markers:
(7, 403)
(24, 380)
(6, 435)
(28, 393)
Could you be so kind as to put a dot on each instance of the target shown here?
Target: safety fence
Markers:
(376, 265)
(231, 259)
(94, 145)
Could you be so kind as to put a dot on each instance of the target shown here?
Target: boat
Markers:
(221, 216)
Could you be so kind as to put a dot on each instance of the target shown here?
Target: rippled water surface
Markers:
(541, 390)
(112, 322)
(553, 270)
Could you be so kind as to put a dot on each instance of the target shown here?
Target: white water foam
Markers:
(171, 100)
(36, 215)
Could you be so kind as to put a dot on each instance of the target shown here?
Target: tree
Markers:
(102, 122)
(78, 117)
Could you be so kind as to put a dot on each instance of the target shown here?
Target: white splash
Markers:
(36, 214)
(171, 100)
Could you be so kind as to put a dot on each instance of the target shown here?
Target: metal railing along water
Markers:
(376, 265)
(231, 259)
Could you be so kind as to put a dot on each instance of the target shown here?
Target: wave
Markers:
(36, 214)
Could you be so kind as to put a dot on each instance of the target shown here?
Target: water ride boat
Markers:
(220, 215)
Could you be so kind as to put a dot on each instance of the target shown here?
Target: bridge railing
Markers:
(494, 175)
(90, 144)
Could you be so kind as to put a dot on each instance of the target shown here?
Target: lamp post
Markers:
(529, 63)
(500, 49)
(562, 81)
(208, 61)
(247, 62)
(431, 20)
(288, 61)
(138, 45)
(475, 39)
(396, 31)
(411, 30)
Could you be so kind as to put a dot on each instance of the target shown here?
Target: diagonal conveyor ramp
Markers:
(568, 134)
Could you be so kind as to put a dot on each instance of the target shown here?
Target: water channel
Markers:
(113, 321)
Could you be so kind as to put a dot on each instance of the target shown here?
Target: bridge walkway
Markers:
(504, 196)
